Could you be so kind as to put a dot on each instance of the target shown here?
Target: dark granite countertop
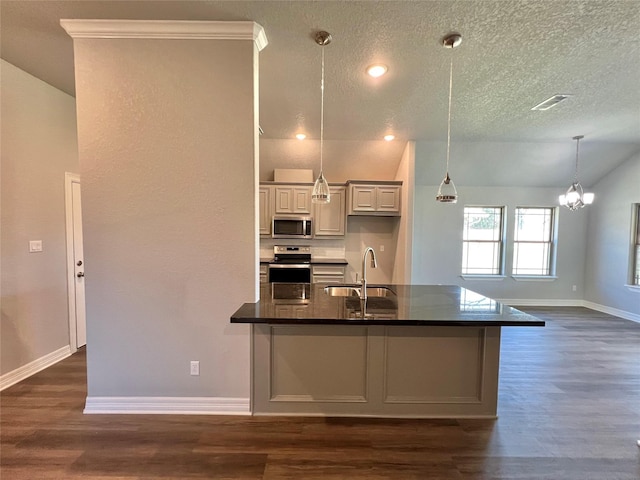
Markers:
(427, 305)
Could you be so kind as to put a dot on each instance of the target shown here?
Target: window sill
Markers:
(633, 288)
(534, 278)
(495, 278)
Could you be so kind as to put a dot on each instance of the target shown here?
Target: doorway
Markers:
(75, 262)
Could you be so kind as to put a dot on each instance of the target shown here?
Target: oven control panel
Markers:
(292, 249)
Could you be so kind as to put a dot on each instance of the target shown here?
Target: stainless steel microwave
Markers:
(291, 227)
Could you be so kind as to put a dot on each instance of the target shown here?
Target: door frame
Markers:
(69, 179)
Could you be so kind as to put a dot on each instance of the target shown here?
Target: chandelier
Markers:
(575, 197)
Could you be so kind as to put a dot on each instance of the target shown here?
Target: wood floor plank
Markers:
(569, 409)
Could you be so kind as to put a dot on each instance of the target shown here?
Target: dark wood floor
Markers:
(569, 410)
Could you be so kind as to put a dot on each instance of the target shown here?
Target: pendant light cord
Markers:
(449, 118)
(577, 150)
(322, 110)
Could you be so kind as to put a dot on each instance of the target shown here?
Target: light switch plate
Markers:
(35, 246)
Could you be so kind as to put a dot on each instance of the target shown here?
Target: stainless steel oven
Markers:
(291, 264)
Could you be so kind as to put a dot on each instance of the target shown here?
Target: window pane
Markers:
(482, 223)
(481, 258)
(533, 224)
(531, 258)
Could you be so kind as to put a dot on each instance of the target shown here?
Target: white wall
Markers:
(609, 233)
(167, 135)
(38, 145)
(437, 238)
(342, 159)
(404, 229)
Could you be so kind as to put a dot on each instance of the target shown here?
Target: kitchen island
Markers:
(408, 351)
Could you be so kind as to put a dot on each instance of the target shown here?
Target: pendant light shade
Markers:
(447, 192)
(320, 193)
(575, 197)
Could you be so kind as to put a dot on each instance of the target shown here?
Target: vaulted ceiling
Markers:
(514, 55)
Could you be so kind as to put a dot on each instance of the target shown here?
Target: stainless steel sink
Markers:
(342, 291)
(354, 291)
(380, 292)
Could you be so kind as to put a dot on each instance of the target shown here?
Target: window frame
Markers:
(552, 242)
(634, 248)
(500, 274)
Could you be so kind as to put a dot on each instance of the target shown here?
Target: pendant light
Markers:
(575, 197)
(320, 193)
(447, 192)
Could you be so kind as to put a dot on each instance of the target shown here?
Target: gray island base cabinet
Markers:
(425, 352)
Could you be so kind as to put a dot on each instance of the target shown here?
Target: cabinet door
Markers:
(328, 279)
(327, 273)
(263, 273)
(293, 311)
(388, 199)
(363, 198)
(265, 195)
(291, 199)
(329, 219)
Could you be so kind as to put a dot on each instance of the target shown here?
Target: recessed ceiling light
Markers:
(551, 102)
(388, 138)
(301, 136)
(377, 70)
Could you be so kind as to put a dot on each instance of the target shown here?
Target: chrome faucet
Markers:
(374, 264)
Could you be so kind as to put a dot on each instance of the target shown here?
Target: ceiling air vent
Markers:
(550, 102)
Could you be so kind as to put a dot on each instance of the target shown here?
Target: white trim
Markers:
(634, 317)
(534, 278)
(31, 368)
(168, 405)
(166, 29)
(69, 179)
(533, 302)
(494, 278)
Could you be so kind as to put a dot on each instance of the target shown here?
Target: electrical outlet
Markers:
(574, 288)
(35, 246)
(382, 248)
(195, 367)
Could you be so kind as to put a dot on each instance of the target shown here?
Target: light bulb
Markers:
(376, 70)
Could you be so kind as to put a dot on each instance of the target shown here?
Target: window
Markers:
(636, 247)
(533, 242)
(482, 241)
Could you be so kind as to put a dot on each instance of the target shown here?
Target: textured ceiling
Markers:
(514, 55)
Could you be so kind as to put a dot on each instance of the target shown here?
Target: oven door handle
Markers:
(288, 265)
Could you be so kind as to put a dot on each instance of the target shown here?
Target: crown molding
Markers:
(166, 29)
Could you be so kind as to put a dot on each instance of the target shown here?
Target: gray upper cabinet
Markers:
(292, 199)
(330, 219)
(374, 198)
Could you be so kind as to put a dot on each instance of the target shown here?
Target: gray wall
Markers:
(38, 145)
(437, 238)
(609, 232)
(167, 139)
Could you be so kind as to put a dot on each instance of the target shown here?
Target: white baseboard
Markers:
(530, 302)
(634, 317)
(31, 368)
(168, 405)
